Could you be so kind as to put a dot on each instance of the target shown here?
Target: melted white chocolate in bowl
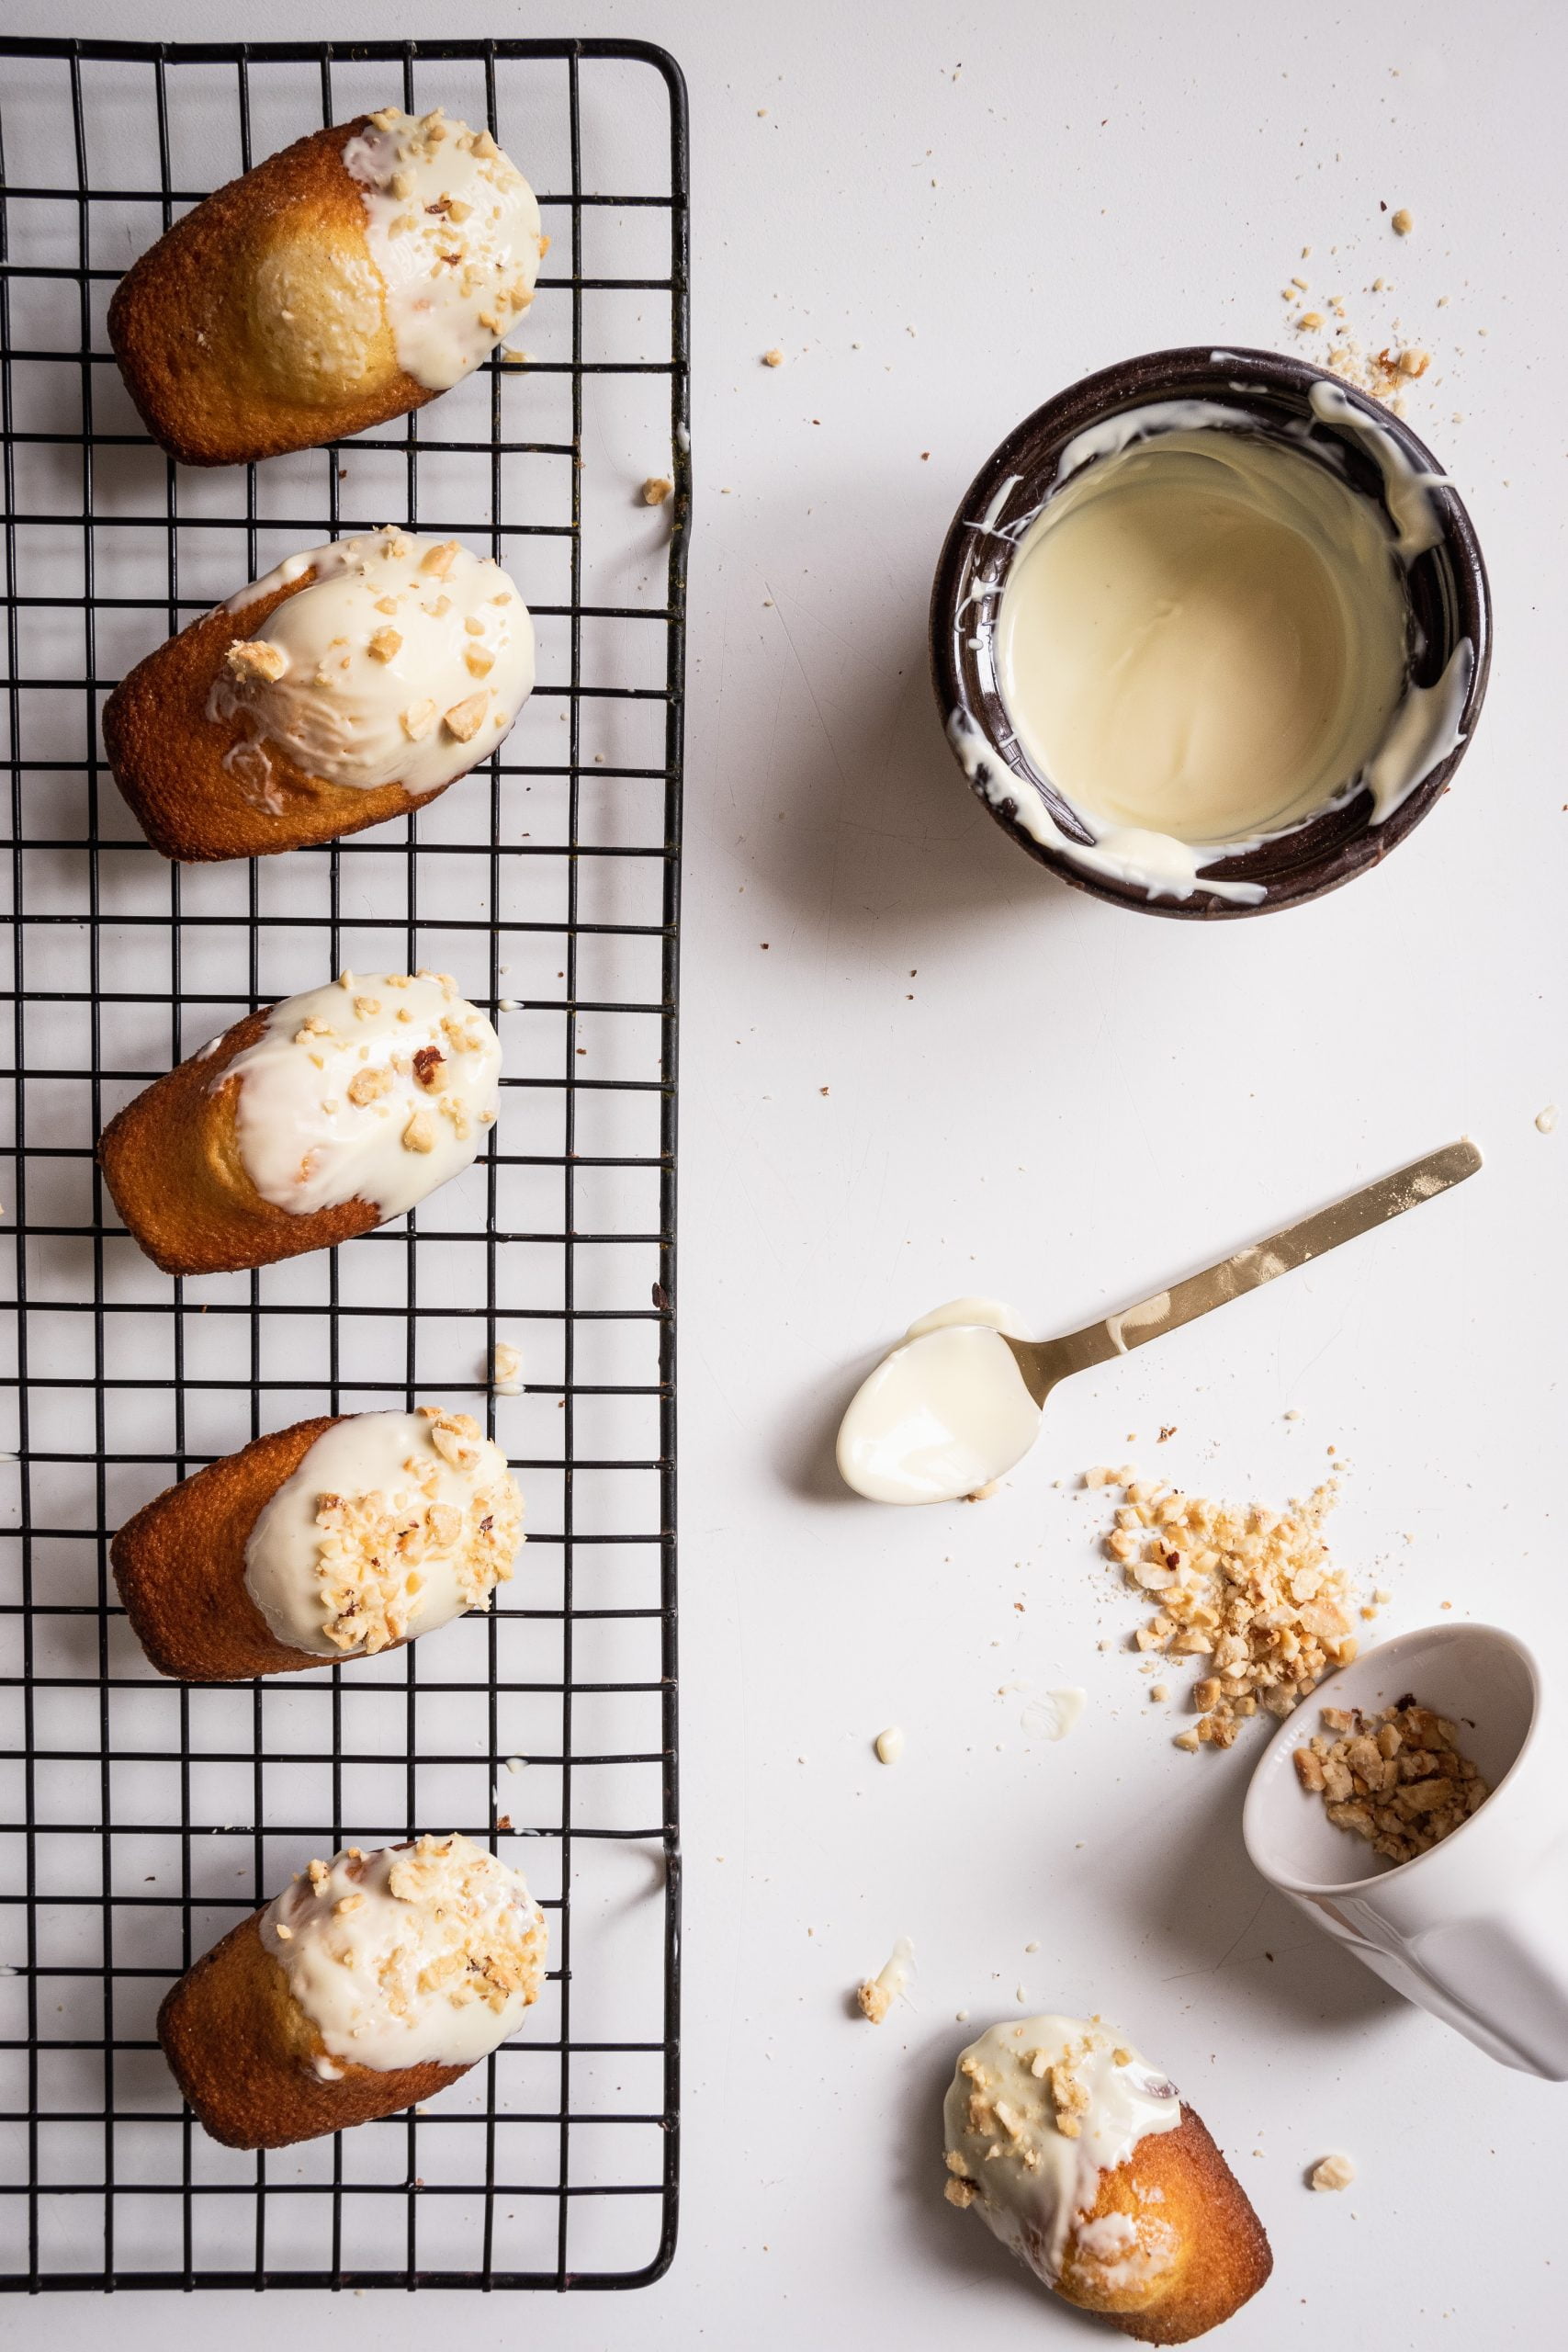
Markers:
(944, 1413)
(1202, 638)
(1203, 635)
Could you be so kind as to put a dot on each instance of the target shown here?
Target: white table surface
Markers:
(948, 1072)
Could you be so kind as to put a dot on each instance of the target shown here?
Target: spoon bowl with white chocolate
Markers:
(958, 1403)
(1210, 633)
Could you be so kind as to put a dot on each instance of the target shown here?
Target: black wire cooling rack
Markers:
(138, 1818)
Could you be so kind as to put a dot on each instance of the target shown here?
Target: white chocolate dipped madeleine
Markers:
(352, 683)
(374, 1981)
(334, 1539)
(306, 1124)
(1082, 2159)
(345, 280)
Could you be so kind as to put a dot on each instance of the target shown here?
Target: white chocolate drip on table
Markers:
(429, 1953)
(453, 229)
(393, 1524)
(1037, 2112)
(405, 660)
(373, 1089)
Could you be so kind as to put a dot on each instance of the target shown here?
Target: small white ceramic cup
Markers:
(1476, 1929)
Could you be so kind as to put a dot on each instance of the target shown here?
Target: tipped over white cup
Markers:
(1476, 1929)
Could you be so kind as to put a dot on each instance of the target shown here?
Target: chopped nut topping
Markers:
(255, 658)
(438, 561)
(478, 663)
(418, 719)
(420, 1134)
(377, 1549)
(384, 644)
(366, 1085)
(1397, 1779)
(465, 718)
(430, 1069)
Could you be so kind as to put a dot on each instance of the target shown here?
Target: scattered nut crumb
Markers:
(1334, 2172)
(1250, 1592)
(1546, 1120)
(878, 1993)
(773, 359)
(889, 1745)
(656, 489)
(1402, 221)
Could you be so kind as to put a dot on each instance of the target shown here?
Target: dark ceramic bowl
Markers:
(1270, 394)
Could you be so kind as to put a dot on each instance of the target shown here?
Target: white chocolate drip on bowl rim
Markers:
(374, 1090)
(405, 660)
(944, 1413)
(417, 1954)
(393, 1524)
(453, 229)
(1037, 2110)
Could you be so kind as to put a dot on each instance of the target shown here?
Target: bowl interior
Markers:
(1476, 1675)
(1261, 392)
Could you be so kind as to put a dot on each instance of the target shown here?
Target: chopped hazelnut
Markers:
(417, 719)
(384, 644)
(465, 718)
(419, 1134)
(255, 658)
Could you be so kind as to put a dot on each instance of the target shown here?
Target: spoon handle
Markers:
(1249, 1270)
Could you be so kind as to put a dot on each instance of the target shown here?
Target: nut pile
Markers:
(1397, 1779)
(1251, 1593)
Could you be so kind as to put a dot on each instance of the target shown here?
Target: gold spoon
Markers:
(932, 1422)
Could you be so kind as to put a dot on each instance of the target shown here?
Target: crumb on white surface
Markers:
(1334, 2172)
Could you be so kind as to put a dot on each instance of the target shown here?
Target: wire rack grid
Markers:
(138, 1818)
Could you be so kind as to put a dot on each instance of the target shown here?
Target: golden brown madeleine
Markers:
(310, 299)
(432, 1953)
(170, 1159)
(173, 764)
(1218, 2255)
(335, 1539)
(352, 684)
(1080, 2157)
(305, 1124)
(180, 1565)
(244, 2055)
